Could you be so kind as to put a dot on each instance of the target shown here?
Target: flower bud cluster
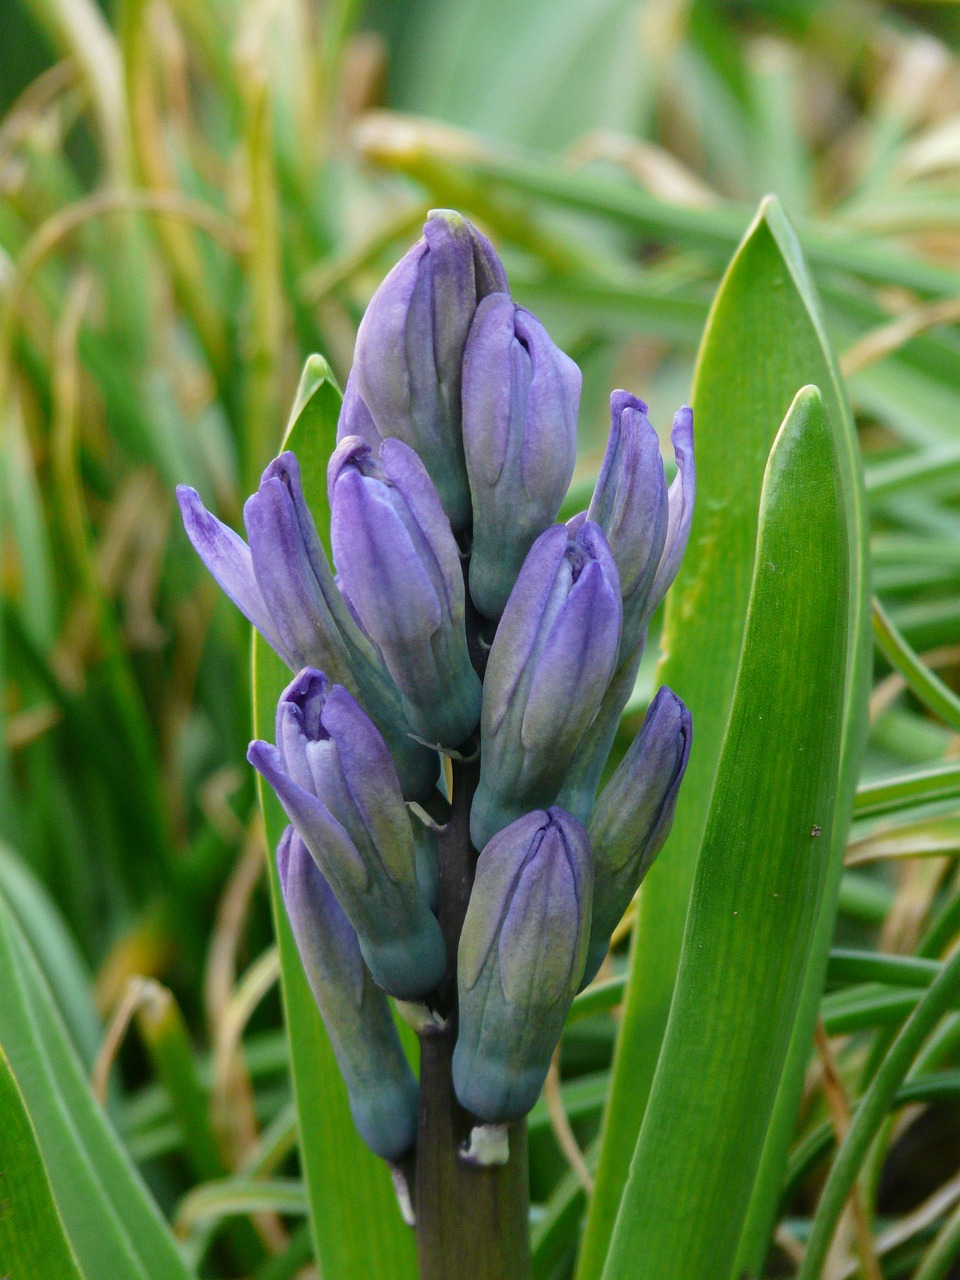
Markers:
(461, 619)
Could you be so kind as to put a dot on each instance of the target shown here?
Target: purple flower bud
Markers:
(520, 961)
(680, 499)
(633, 815)
(630, 506)
(520, 400)
(228, 559)
(399, 563)
(380, 1084)
(334, 777)
(551, 659)
(406, 374)
(622, 510)
(283, 584)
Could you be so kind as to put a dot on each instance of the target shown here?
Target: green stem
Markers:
(470, 1221)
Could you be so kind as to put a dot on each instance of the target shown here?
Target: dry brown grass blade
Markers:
(838, 1105)
(889, 338)
(560, 1124)
(138, 991)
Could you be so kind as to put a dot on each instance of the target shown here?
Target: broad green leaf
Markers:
(759, 881)
(32, 1239)
(358, 1231)
(764, 339)
(113, 1225)
(56, 952)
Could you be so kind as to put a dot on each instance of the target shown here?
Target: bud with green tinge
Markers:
(521, 958)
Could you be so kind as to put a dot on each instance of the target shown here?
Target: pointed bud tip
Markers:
(621, 400)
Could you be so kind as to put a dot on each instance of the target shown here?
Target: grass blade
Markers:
(936, 1001)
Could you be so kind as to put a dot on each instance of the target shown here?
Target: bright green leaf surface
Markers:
(358, 1231)
(113, 1225)
(759, 881)
(32, 1239)
(56, 952)
(763, 341)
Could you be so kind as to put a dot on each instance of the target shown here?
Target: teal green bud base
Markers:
(470, 1221)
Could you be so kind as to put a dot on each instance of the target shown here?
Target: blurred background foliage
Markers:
(193, 198)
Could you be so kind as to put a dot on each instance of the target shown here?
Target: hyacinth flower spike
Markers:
(399, 563)
(648, 528)
(520, 962)
(633, 815)
(551, 659)
(335, 779)
(460, 619)
(406, 375)
(356, 1013)
(520, 400)
(283, 585)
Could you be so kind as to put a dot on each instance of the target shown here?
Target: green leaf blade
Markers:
(764, 339)
(759, 881)
(32, 1238)
(112, 1223)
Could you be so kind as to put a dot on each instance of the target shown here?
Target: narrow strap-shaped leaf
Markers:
(112, 1223)
(907, 791)
(32, 1238)
(759, 881)
(764, 339)
(231, 1197)
(357, 1229)
(924, 683)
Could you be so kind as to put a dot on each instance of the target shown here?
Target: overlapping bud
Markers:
(633, 815)
(456, 443)
(399, 564)
(380, 1085)
(551, 660)
(521, 959)
(335, 779)
(408, 361)
(648, 527)
(521, 395)
(282, 583)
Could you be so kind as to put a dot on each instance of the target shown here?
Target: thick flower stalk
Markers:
(460, 680)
